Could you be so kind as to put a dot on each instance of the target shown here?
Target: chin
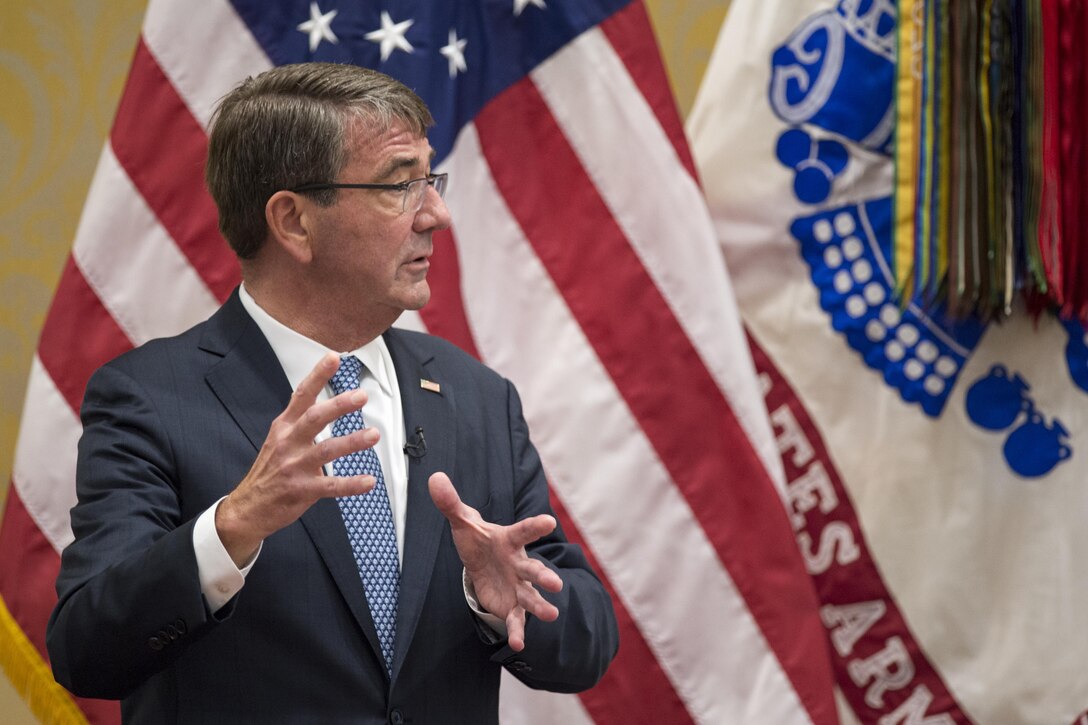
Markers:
(418, 297)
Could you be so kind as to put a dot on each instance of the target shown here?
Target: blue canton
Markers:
(456, 54)
(369, 519)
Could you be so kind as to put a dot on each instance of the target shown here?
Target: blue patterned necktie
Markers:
(369, 519)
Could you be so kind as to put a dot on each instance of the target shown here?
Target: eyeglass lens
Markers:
(414, 193)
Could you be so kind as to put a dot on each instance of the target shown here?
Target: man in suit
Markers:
(240, 555)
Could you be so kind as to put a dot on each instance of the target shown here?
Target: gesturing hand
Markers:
(287, 477)
(504, 576)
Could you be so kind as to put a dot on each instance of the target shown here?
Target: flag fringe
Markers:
(31, 677)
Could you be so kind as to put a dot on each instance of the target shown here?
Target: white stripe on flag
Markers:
(690, 613)
(45, 460)
(205, 50)
(519, 704)
(629, 156)
(115, 215)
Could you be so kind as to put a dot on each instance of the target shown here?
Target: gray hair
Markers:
(287, 127)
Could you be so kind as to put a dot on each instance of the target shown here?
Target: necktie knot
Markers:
(347, 375)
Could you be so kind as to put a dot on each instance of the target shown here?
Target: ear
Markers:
(288, 219)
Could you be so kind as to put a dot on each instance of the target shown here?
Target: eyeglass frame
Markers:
(435, 181)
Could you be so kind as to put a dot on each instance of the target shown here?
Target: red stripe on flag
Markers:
(79, 335)
(28, 568)
(171, 179)
(858, 582)
(662, 378)
(444, 315)
(635, 688)
(631, 35)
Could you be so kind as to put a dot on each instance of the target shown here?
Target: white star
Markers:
(391, 35)
(319, 26)
(520, 5)
(455, 53)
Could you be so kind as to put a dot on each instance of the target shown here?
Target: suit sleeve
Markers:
(572, 653)
(129, 598)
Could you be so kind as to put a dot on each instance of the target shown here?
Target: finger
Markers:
(530, 600)
(338, 405)
(330, 449)
(444, 495)
(337, 486)
(529, 530)
(535, 572)
(515, 629)
(307, 391)
(319, 415)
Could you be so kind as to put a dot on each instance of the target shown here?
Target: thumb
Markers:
(444, 494)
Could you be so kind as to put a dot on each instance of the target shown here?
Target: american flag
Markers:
(582, 264)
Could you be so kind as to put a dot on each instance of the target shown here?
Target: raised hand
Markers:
(504, 576)
(287, 477)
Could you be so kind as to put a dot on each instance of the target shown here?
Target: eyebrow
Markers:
(402, 162)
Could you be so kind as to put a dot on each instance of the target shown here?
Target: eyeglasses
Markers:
(414, 189)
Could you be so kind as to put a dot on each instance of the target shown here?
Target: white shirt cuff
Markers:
(496, 624)
(220, 579)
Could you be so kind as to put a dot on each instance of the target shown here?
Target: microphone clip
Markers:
(418, 448)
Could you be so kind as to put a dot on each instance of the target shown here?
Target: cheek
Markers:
(399, 243)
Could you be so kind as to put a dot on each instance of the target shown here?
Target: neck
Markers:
(305, 310)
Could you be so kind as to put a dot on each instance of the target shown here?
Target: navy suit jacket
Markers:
(174, 425)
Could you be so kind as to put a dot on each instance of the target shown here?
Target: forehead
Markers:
(377, 148)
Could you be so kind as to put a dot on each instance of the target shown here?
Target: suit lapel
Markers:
(432, 410)
(251, 384)
(248, 379)
(325, 525)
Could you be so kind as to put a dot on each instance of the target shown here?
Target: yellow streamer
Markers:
(31, 676)
(908, 87)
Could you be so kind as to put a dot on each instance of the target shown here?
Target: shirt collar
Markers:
(298, 354)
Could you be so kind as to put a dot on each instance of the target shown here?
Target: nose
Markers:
(433, 214)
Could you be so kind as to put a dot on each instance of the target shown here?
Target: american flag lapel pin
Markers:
(430, 385)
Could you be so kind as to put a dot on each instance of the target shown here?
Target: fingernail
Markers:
(357, 398)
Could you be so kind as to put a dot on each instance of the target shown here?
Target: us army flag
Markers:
(937, 469)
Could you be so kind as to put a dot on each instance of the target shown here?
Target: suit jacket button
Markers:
(155, 643)
(181, 626)
(396, 718)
